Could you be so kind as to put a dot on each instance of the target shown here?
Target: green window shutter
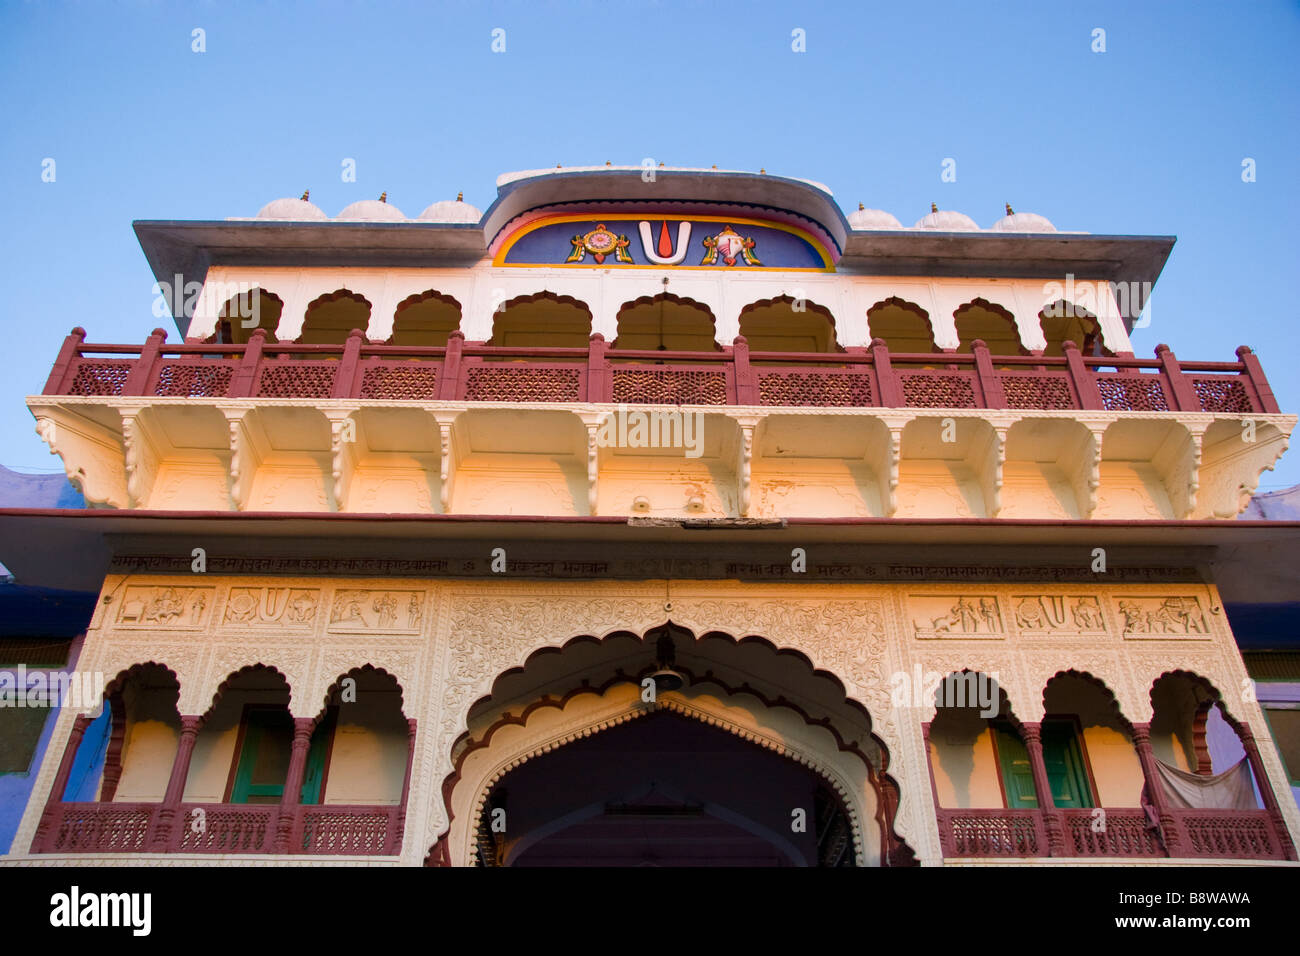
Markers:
(1013, 762)
(264, 756)
(1067, 774)
(1063, 757)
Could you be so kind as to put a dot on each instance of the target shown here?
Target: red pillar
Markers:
(890, 391)
(1033, 734)
(1266, 789)
(746, 380)
(1255, 372)
(137, 380)
(990, 384)
(244, 382)
(598, 389)
(1155, 790)
(176, 783)
(346, 376)
(1182, 396)
(302, 730)
(449, 377)
(1085, 383)
(60, 779)
(55, 384)
(113, 758)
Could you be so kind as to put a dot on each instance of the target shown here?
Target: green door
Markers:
(1062, 758)
(1013, 759)
(264, 758)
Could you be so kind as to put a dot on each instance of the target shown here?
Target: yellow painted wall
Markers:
(965, 764)
(368, 760)
(149, 748)
(1116, 770)
(214, 750)
(149, 744)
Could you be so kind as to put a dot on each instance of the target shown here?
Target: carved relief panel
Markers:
(358, 610)
(164, 606)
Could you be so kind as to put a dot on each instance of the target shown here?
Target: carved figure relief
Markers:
(1058, 612)
(263, 606)
(383, 610)
(176, 607)
(1171, 615)
(966, 615)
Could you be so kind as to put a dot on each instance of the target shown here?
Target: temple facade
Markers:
(655, 516)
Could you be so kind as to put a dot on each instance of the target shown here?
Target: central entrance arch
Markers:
(664, 789)
(757, 759)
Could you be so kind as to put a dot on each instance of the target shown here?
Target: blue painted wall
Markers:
(39, 612)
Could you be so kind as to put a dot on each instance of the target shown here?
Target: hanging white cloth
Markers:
(1230, 790)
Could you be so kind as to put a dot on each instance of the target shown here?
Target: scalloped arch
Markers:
(697, 709)
(246, 669)
(1090, 678)
(119, 681)
(364, 669)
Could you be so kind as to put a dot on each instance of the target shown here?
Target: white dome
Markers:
(1023, 222)
(864, 218)
(946, 220)
(451, 210)
(372, 209)
(291, 209)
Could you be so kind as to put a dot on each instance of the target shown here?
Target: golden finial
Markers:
(306, 195)
(460, 197)
(383, 197)
(762, 171)
(1010, 211)
(861, 207)
(933, 208)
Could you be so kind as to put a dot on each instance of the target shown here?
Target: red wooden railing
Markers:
(335, 830)
(471, 371)
(992, 833)
(1123, 832)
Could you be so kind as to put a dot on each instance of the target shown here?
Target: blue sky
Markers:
(1145, 138)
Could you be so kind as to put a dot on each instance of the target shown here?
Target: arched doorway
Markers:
(664, 789)
(540, 757)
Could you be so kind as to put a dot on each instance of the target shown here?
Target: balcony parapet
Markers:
(1122, 833)
(332, 830)
(473, 429)
(463, 371)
